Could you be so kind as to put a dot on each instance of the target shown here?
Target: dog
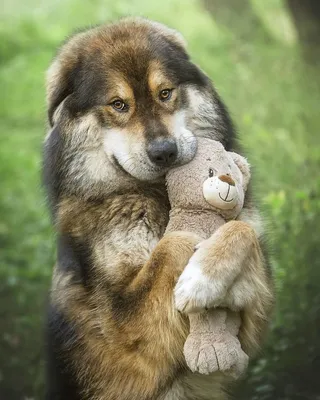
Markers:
(126, 104)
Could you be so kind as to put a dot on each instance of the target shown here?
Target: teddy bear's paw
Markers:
(227, 358)
(191, 351)
(207, 360)
(195, 292)
(200, 357)
(240, 367)
(232, 362)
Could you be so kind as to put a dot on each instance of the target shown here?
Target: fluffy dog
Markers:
(126, 103)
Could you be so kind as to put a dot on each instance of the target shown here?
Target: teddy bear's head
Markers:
(215, 179)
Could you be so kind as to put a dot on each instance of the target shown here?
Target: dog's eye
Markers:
(165, 94)
(210, 172)
(119, 105)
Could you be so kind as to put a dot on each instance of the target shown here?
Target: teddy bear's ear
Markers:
(244, 167)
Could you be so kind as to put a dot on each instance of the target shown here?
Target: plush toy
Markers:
(204, 194)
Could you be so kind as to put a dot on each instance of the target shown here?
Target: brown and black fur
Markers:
(113, 330)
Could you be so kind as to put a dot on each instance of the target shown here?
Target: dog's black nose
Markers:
(162, 152)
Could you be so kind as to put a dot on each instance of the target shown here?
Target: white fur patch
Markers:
(130, 154)
(185, 139)
(198, 101)
(195, 291)
(201, 106)
(115, 144)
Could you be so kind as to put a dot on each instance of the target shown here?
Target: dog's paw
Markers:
(204, 244)
(241, 294)
(195, 291)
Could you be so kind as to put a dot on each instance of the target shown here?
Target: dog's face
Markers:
(131, 98)
(144, 122)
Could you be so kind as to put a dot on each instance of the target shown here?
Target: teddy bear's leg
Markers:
(199, 348)
(233, 322)
(224, 326)
(232, 359)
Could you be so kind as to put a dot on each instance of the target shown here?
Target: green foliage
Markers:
(274, 100)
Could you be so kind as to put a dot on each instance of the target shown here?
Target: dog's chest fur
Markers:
(136, 222)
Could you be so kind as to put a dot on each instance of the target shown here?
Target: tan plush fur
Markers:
(217, 274)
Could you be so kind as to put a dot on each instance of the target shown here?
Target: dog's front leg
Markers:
(228, 270)
(166, 263)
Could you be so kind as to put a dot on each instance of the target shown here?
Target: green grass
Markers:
(274, 100)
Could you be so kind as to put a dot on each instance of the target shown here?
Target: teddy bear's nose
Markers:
(227, 179)
(163, 152)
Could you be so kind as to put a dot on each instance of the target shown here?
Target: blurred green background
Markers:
(263, 57)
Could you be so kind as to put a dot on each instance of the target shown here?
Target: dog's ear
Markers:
(171, 34)
(63, 75)
(60, 81)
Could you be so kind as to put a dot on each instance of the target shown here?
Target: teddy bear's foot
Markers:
(200, 355)
(207, 360)
(233, 363)
(206, 357)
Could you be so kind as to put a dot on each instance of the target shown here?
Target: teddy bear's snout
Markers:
(227, 179)
(221, 192)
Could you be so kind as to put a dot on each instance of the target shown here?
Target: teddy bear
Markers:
(204, 194)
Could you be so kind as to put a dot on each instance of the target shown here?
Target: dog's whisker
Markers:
(189, 141)
(126, 163)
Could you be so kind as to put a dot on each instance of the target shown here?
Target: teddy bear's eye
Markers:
(210, 172)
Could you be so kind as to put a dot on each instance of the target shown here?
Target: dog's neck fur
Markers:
(201, 222)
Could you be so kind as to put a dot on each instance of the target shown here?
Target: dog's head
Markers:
(126, 96)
